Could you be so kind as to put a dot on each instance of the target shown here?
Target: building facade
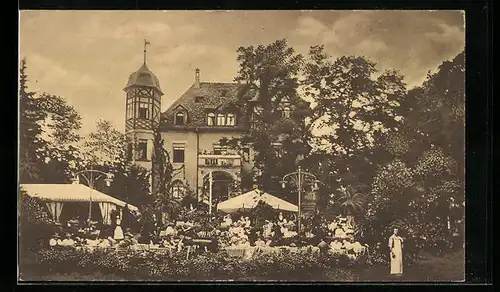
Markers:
(191, 129)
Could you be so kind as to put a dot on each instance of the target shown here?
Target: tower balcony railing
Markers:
(219, 160)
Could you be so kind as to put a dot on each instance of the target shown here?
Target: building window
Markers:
(179, 119)
(286, 112)
(220, 150)
(231, 120)
(178, 190)
(143, 111)
(221, 120)
(211, 119)
(198, 99)
(142, 150)
(178, 153)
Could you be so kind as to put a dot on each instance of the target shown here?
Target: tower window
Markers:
(130, 110)
(221, 120)
(142, 150)
(211, 119)
(179, 119)
(231, 120)
(143, 111)
(178, 153)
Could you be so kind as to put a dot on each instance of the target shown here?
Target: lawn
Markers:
(446, 268)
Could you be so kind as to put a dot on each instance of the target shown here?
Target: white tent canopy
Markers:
(250, 200)
(55, 195)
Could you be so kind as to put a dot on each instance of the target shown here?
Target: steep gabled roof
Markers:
(202, 98)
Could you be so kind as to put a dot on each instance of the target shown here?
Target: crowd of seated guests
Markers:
(214, 233)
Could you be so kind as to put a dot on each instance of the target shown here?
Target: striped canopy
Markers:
(250, 200)
(71, 193)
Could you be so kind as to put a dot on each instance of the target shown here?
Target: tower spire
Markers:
(145, 49)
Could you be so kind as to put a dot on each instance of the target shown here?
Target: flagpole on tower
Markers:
(145, 49)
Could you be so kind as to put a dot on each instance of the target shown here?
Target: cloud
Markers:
(412, 42)
(310, 27)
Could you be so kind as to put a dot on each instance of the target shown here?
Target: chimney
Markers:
(197, 78)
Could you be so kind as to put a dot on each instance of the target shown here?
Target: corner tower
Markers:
(142, 114)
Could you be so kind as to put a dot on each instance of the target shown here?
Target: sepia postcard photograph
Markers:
(280, 145)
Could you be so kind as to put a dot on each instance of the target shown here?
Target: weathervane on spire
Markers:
(145, 49)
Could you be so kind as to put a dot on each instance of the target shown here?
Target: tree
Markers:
(353, 107)
(48, 135)
(277, 113)
(162, 174)
(107, 149)
(35, 224)
(421, 188)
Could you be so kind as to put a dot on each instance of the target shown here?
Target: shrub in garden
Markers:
(155, 265)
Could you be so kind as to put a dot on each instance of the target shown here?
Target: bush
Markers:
(155, 265)
(35, 224)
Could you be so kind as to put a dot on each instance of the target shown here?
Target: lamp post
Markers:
(300, 178)
(91, 175)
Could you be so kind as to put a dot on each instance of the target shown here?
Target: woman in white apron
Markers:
(396, 255)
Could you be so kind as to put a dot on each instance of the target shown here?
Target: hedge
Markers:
(155, 265)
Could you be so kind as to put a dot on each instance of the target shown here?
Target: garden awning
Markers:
(250, 200)
(71, 193)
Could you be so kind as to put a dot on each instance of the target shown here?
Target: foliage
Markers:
(106, 149)
(30, 131)
(419, 188)
(354, 104)
(162, 174)
(48, 135)
(275, 138)
(159, 265)
(35, 224)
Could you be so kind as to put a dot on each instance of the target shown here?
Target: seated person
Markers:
(181, 243)
(68, 241)
(170, 230)
(339, 232)
(259, 242)
(323, 245)
(112, 242)
(54, 240)
(243, 242)
(104, 243)
(347, 245)
(332, 226)
(336, 245)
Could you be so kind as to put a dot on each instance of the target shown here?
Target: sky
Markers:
(87, 56)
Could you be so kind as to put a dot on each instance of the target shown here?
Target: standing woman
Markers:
(396, 248)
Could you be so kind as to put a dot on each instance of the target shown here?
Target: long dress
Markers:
(396, 255)
(118, 234)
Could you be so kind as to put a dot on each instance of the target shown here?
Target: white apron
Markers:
(396, 255)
